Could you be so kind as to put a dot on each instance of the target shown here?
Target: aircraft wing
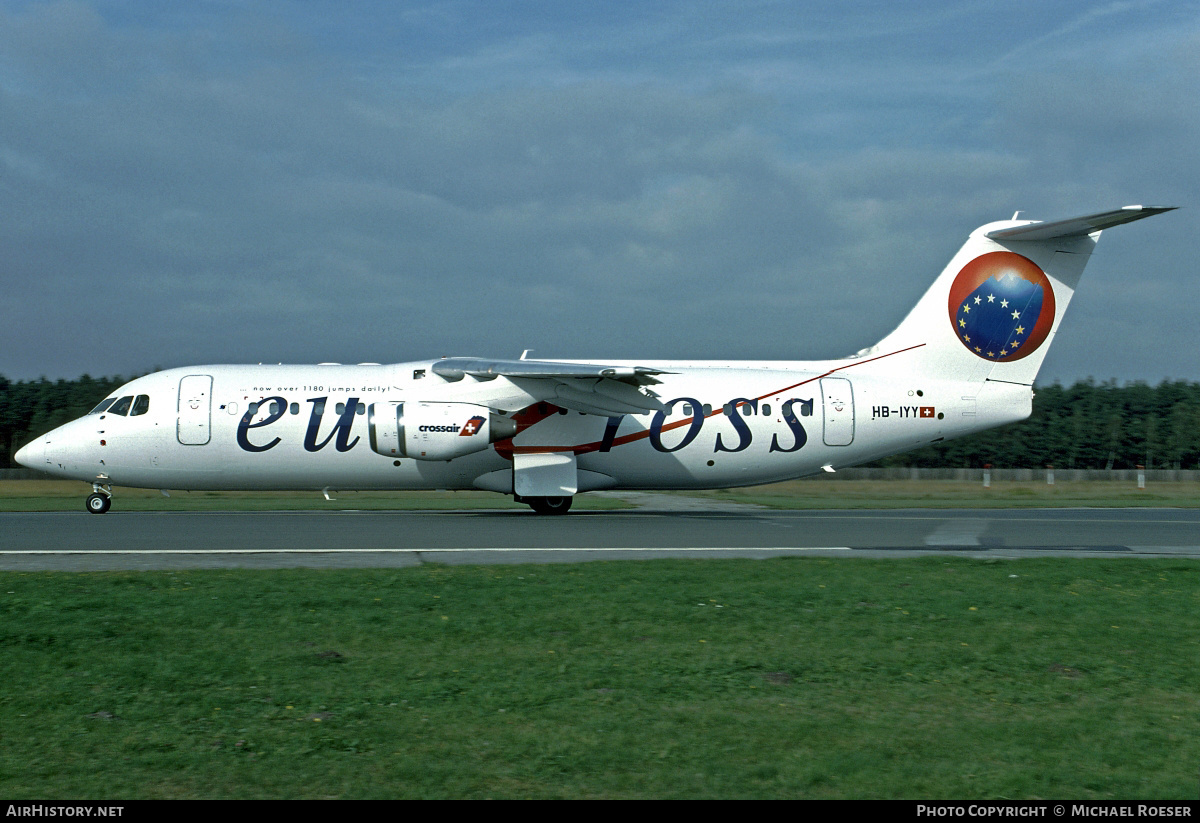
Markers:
(590, 388)
(1078, 226)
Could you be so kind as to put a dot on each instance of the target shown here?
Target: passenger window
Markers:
(341, 408)
(103, 405)
(121, 407)
(276, 408)
(141, 405)
(766, 409)
(295, 409)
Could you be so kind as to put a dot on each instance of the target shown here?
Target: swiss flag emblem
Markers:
(471, 427)
(927, 411)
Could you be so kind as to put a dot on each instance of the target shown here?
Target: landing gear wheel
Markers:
(549, 505)
(98, 503)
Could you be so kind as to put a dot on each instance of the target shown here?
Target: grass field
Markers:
(922, 678)
(66, 495)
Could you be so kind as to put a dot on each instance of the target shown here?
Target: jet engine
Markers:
(435, 431)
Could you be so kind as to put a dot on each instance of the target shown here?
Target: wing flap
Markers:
(586, 396)
(454, 368)
(591, 388)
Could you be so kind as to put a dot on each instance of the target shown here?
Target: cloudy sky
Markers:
(322, 180)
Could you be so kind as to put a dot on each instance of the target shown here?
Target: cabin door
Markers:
(195, 410)
(838, 400)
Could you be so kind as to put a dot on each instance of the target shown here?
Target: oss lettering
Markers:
(745, 435)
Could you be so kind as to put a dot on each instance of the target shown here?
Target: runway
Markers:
(70, 541)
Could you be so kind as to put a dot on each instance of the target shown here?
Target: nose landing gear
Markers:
(100, 500)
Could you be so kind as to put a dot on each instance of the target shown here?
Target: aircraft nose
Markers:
(31, 455)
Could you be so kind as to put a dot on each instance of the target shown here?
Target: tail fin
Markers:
(994, 310)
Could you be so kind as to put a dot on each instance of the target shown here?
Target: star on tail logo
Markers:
(471, 427)
(1001, 306)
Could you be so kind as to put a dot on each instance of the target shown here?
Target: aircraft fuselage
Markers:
(309, 427)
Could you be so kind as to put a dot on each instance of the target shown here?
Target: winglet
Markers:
(1078, 226)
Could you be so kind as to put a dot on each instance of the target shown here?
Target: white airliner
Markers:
(963, 360)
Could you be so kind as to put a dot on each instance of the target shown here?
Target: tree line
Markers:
(1082, 426)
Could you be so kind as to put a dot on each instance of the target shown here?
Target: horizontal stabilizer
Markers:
(1078, 226)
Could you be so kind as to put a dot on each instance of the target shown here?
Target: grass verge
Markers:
(799, 677)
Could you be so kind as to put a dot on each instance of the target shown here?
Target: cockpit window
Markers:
(121, 406)
(141, 405)
(104, 404)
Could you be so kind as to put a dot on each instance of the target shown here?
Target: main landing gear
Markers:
(548, 505)
(100, 500)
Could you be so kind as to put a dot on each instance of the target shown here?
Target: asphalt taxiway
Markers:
(663, 526)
